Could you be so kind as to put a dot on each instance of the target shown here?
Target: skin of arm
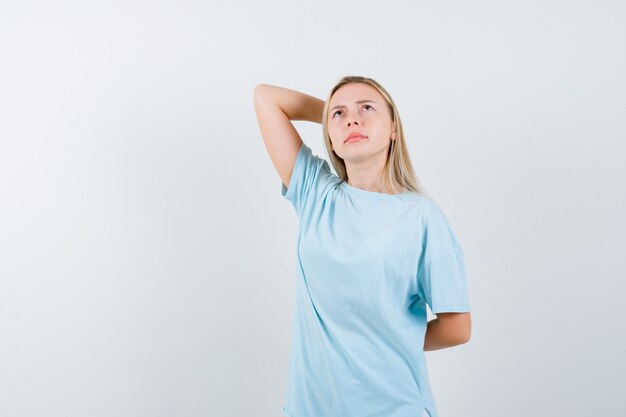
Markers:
(447, 330)
(295, 104)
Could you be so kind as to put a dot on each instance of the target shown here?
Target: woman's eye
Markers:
(366, 106)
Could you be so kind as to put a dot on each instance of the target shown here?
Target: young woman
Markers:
(373, 250)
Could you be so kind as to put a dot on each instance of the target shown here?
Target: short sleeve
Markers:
(309, 179)
(442, 281)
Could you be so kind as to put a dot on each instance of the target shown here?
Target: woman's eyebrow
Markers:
(357, 102)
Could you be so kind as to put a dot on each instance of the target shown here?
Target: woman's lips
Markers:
(355, 139)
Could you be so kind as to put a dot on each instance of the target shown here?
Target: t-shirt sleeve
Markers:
(310, 177)
(442, 281)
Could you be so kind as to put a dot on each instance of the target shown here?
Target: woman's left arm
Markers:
(447, 330)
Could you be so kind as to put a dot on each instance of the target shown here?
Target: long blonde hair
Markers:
(398, 174)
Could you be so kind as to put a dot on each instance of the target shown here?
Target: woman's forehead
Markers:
(352, 92)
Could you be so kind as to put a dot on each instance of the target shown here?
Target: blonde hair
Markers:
(398, 174)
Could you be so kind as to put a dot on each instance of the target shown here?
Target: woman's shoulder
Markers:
(419, 199)
(426, 207)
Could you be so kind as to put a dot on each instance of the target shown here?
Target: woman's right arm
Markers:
(275, 108)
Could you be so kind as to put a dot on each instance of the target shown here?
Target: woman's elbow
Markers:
(459, 326)
(466, 335)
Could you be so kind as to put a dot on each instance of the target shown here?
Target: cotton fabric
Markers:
(368, 263)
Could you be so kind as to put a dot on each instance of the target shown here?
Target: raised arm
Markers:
(275, 108)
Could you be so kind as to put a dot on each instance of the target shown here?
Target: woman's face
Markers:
(358, 108)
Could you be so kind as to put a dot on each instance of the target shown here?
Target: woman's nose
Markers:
(352, 117)
(353, 120)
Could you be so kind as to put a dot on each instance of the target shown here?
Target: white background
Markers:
(147, 258)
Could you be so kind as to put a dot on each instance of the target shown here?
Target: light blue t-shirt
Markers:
(368, 263)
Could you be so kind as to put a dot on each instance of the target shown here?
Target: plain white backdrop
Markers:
(147, 257)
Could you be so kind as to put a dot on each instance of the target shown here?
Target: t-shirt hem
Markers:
(284, 408)
(451, 308)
